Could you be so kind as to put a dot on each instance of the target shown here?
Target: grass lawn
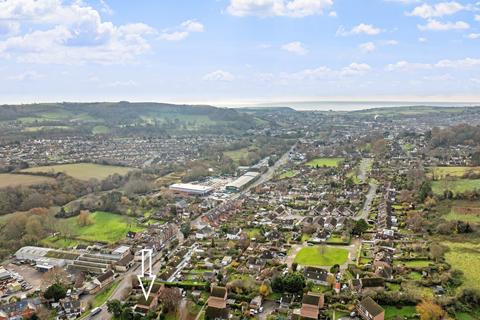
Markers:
(236, 155)
(9, 180)
(108, 227)
(318, 256)
(252, 233)
(465, 257)
(460, 210)
(287, 174)
(82, 171)
(392, 311)
(103, 295)
(324, 162)
(59, 243)
(100, 130)
(416, 263)
(456, 186)
(441, 172)
(417, 276)
(475, 315)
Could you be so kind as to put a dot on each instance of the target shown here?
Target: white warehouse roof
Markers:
(190, 188)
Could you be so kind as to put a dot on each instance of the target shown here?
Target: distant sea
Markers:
(358, 105)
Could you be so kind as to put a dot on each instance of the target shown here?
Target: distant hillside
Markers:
(121, 117)
(414, 110)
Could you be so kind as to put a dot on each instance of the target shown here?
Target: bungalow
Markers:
(316, 275)
(217, 304)
(370, 310)
(311, 305)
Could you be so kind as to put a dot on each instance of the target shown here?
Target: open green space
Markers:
(100, 130)
(238, 154)
(416, 263)
(10, 180)
(102, 296)
(442, 172)
(106, 226)
(287, 174)
(321, 256)
(82, 171)
(456, 186)
(463, 210)
(392, 312)
(465, 256)
(324, 162)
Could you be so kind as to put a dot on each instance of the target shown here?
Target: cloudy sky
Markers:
(230, 51)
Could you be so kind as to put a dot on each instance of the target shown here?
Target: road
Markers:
(367, 205)
(365, 165)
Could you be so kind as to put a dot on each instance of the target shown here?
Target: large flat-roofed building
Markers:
(242, 182)
(190, 188)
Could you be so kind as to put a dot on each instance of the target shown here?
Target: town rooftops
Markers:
(371, 306)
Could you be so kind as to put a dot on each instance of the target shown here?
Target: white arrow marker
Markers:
(150, 277)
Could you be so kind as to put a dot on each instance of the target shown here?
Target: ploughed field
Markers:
(82, 171)
(11, 180)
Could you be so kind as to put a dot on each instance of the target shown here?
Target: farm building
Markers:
(190, 188)
(242, 182)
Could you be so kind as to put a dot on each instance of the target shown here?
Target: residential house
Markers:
(311, 305)
(316, 275)
(368, 309)
(217, 304)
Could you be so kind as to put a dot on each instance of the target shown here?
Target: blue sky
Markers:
(236, 51)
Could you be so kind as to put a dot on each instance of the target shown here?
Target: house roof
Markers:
(312, 299)
(105, 276)
(371, 306)
(218, 292)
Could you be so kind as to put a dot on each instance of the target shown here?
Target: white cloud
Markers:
(183, 31)
(219, 75)
(441, 9)
(324, 72)
(332, 14)
(367, 47)
(71, 33)
(466, 63)
(269, 8)
(422, 40)
(355, 69)
(27, 75)
(391, 42)
(192, 26)
(295, 47)
(362, 28)
(105, 8)
(407, 66)
(435, 25)
(120, 84)
(474, 36)
(477, 17)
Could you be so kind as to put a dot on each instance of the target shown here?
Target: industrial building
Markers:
(242, 182)
(191, 189)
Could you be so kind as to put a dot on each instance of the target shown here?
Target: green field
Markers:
(465, 257)
(287, 174)
(108, 227)
(82, 171)
(415, 263)
(456, 186)
(441, 172)
(391, 312)
(9, 180)
(324, 162)
(100, 130)
(238, 154)
(317, 256)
